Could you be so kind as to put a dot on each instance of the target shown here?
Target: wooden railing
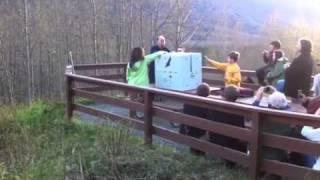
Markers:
(207, 73)
(255, 137)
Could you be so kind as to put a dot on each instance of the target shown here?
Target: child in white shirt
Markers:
(313, 134)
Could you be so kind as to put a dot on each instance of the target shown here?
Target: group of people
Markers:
(141, 67)
(279, 79)
(287, 77)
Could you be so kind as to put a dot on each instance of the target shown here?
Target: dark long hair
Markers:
(137, 54)
(306, 46)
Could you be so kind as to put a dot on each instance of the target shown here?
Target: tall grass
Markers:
(36, 143)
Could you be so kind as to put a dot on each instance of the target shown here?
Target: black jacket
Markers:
(229, 119)
(151, 66)
(298, 76)
(197, 112)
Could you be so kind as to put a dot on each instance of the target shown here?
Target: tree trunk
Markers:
(94, 11)
(27, 51)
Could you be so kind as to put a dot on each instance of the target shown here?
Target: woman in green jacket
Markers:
(278, 71)
(137, 70)
(137, 73)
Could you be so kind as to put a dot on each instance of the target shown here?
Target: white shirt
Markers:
(316, 85)
(313, 135)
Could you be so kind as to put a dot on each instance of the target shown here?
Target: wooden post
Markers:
(255, 154)
(124, 73)
(69, 98)
(148, 128)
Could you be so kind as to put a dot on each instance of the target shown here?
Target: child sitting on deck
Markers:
(137, 70)
(277, 71)
(313, 134)
(276, 101)
(231, 69)
(204, 91)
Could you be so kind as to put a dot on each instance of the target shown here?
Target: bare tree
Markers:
(27, 51)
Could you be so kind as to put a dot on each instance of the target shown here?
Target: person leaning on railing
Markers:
(203, 90)
(278, 101)
(230, 94)
(137, 71)
(312, 106)
(313, 134)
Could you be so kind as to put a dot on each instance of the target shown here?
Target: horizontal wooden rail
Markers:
(289, 170)
(207, 69)
(223, 152)
(291, 144)
(110, 77)
(110, 116)
(109, 100)
(123, 66)
(293, 118)
(210, 126)
(82, 67)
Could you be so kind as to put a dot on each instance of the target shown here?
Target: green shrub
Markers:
(37, 143)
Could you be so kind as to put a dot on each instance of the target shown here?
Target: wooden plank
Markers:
(107, 83)
(289, 170)
(82, 67)
(205, 124)
(148, 128)
(110, 77)
(296, 119)
(69, 97)
(214, 82)
(110, 116)
(109, 100)
(220, 151)
(211, 70)
(221, 83)
(95, 88)
(255, 146)
(291, 144)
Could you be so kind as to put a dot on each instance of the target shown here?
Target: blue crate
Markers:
(179, 71)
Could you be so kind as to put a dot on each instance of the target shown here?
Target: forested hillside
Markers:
(36, 36)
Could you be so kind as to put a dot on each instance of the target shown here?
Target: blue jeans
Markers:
(280, 85)
(310, 160)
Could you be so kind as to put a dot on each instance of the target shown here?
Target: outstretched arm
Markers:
(218, 65)
(151, 57)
